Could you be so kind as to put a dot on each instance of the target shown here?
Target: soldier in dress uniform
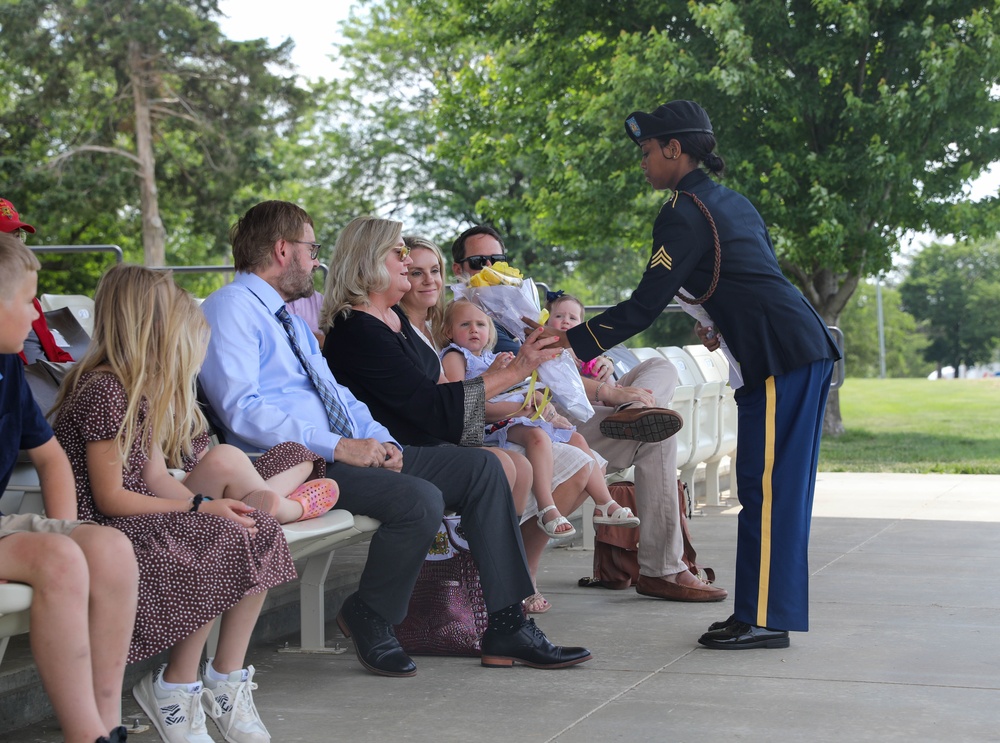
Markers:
(712, 249)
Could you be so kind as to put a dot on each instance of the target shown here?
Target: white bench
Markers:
(313, 541)
(23, 495)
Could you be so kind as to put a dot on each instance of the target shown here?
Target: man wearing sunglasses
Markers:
(631, 426)
(474, 250)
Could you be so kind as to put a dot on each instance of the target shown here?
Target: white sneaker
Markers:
(176, 714)
(232, 708)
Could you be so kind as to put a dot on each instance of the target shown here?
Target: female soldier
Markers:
(713, 243)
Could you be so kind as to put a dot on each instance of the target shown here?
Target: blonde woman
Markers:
(127, 412)
(371, 348)
(424, 302)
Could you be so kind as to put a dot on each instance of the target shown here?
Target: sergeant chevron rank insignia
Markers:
(661, 258)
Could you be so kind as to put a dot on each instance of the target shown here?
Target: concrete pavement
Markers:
(904, 646)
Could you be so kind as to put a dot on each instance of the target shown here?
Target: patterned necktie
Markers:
(339, 422)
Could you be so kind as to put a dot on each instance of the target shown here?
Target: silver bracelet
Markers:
(597, 392)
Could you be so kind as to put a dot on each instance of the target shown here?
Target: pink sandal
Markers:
(316, 497)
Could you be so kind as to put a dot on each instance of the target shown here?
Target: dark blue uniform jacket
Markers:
(767, 323)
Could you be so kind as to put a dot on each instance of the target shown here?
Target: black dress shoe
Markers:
(529, 646)
(724, 623)
(742, 636)
(374, 639)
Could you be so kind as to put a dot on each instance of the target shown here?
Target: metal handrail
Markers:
(43, 249)
(544, 288)
(218, 269)
(839, 368)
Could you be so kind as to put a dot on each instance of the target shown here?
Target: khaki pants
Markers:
(660, 544)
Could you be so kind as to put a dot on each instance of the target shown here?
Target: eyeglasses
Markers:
(478, 262)
(314, 248)
(402, 251)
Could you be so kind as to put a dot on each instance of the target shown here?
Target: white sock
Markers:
(166, 686)
(213, 677)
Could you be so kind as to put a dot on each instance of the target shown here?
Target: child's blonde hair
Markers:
(153, 337)
(16, 260)
(443, 337)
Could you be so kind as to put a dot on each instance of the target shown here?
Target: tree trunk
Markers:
(154, 236)
(832, 423)
(828, 293)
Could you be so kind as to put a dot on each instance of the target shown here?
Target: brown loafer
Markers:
(661, 588)
(648, 425)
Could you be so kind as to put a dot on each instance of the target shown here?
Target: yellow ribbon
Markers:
(546, 397)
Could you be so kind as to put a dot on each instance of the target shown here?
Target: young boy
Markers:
(83, 575)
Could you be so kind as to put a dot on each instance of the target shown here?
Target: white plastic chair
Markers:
(705, 420)
(715, 366)
(81, 306)
(644, 354)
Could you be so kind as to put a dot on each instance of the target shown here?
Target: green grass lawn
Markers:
(917, 425)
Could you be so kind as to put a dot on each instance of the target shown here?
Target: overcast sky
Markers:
(313, 26)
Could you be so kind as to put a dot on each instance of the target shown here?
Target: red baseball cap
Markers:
(9, 221)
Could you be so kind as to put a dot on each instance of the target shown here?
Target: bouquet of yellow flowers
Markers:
(504, 294)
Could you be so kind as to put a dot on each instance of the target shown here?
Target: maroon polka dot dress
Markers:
(192, 566)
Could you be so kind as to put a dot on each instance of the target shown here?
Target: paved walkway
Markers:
(905, 646)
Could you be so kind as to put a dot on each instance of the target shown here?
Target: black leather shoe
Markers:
(742, 636)
(723, 624)
(529, 646)
(374, 639)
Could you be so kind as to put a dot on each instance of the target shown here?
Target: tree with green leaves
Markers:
(904, 343)
(138, 116)
(955, 291)
(845, 123)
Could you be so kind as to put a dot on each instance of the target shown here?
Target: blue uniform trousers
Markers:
(780, 424)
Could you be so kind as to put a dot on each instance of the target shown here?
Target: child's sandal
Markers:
(622, 517)
(551, 526)
(316, 497)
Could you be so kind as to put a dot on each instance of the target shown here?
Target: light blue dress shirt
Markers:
(255, 383)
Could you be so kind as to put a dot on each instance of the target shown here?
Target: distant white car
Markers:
(947, 372)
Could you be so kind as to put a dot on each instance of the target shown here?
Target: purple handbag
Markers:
(447, 613)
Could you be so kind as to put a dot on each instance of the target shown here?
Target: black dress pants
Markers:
(410, 504)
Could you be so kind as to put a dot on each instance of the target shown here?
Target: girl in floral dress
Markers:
(126, 413)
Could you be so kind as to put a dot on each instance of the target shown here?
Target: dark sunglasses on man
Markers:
(479, 262)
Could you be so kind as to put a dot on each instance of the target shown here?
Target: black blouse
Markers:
(396, 376)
